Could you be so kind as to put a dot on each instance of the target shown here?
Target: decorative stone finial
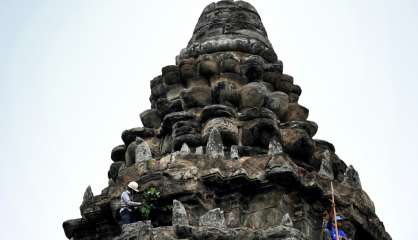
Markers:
(185, 149)
(275, 147)
(179, 216)
(326, 166)
(287, 220)
(142, 151)
(88, 194)
(214, 147)
(351, 177)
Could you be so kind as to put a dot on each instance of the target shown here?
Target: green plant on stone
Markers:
(149, 197)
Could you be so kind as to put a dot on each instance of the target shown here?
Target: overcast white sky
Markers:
(75, 74)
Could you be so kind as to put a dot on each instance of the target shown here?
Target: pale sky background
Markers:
(75, 74)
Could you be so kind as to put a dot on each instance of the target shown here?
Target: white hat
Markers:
(133, 186)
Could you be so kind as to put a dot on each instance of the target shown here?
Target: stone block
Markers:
(150, 118)
(296, 112)
(118, 153)
(179, 216)
(214, 146)
(297, 143)
(213, 218)
(196, 97)
(253, 95)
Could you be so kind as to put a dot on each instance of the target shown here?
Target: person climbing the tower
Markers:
(126, 212)
(330, 230)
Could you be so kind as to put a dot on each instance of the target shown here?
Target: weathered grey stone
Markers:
(283, 86)
(179, 214)
(338, 167)
(142, 151)
(197, 81)
(293, 98)
(154, 144)
(130, 153)
(165, 106)
(167, 144)
(227, 128)
(352, 178)
(250, 151)
(282, 232)
(199, 150)
(136, 231)
(171, 74)
(215, 111)
(278, 102)
(207, 68)
(118, 153)
(194, 139)
(297, 143)
(226, 92)
(114, 170)
(286, 78)
(196, 97)
(287, 220)
(214, 146)
(326, 166)
(272, 77)
(186, 132)
(259, 132)
(174, 92)
(185, 127)
(253, 69)
(296, 90)
(170, 119)
(130, 135)
(275, 147)
(234, 152)
(325, 145)
(247, 114)
(213, 218)
(269, 86)
(257, 182)
(186, 68)
(227, 33)
(158, 89)
(230, 64)
(282, 170)
(296, 112)
(310, 127)
(150, 118)
(185, 149)
(253, 95)
(276, 67)
(88, 194)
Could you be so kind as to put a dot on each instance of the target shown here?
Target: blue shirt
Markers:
(333, 233)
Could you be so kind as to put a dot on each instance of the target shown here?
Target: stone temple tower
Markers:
(228, 148)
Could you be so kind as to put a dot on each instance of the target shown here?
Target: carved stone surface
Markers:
(352, 178)
(214, 147)
(275, 147)
(286, 221)
(326, 166)
(225, 132)
(142, 151)
(118, 153)
(88, 194)
(213, 218)
(179, 214)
